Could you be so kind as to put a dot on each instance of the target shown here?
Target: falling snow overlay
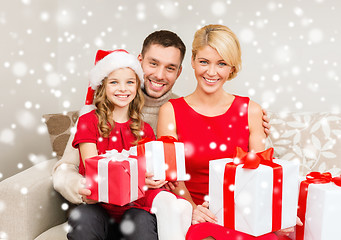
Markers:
(290, 50)
(291, 56)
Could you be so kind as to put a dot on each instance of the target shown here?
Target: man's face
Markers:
(161, 67)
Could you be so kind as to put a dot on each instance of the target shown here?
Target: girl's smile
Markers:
(121, 87)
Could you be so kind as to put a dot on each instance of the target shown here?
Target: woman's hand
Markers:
(287, 231)
(201, 214)
(150, 183)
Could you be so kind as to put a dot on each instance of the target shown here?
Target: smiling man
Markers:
(161, 58)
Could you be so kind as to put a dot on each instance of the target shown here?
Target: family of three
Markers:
(132, 99)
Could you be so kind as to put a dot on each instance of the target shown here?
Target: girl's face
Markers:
(121, 87)
(210, 70)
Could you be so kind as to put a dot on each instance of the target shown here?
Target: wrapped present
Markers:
(254, 193)
(114, 178)
(164, 158)
(319, 207)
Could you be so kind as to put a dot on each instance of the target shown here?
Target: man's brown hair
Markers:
(164, 38)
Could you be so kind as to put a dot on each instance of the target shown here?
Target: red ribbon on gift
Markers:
(311, 178)
(170, 156)
(169, 153)
(252, 161)
(141, 152)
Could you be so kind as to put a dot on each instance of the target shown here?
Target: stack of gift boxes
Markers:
(251, 192)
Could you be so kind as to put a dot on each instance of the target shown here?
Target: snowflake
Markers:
(19, 69)
(218, 8)
(7, 136)
(65, 206)
(127, 226)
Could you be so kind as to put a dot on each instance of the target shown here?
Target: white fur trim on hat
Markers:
(86, 109)
(111, 62)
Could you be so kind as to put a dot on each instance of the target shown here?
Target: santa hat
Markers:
(105, 63)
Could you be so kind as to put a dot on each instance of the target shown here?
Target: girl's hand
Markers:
(171, 185)
(84, 193)
(202, 214)
(150, 183)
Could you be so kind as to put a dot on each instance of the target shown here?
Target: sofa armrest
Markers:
(29, 205)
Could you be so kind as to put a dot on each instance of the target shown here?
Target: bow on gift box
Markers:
(311, 178)
(317, 177)
(169, 154)
(167, 139)
(131, 167)
(114, 155)
(252, 160)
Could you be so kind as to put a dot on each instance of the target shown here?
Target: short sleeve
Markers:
(148, 132)
(87, 130)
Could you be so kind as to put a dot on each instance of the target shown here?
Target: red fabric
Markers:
(203, 230)
(209, 138)
(120, 138)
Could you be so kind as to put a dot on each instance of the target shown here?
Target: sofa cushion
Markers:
(312, 138)
(59, 126)
(56, 233)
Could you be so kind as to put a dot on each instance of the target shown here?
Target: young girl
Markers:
(116, 123)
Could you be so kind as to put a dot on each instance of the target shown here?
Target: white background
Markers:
(291, 54)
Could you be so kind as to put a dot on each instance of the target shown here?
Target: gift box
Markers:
(319, 207)
(164, 158)
(253, 193)
(114, 178)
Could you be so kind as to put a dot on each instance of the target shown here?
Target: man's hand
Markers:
(202, 214)
(266, 123)
(150, 183)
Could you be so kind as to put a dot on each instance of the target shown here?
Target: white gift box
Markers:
(322, 219)
(253, 192)
(156, 162)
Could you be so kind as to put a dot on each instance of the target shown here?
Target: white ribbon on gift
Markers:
(103, 175)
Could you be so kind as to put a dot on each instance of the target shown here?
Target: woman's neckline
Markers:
(213, 116)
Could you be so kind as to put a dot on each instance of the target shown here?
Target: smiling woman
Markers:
(225, 120)
(211, 71)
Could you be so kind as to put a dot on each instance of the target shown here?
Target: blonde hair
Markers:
(222, 39)
(105, 108)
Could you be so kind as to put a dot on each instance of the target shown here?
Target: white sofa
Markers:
(31, 209)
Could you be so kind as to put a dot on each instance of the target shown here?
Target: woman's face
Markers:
(210, 70)
(121, 87)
